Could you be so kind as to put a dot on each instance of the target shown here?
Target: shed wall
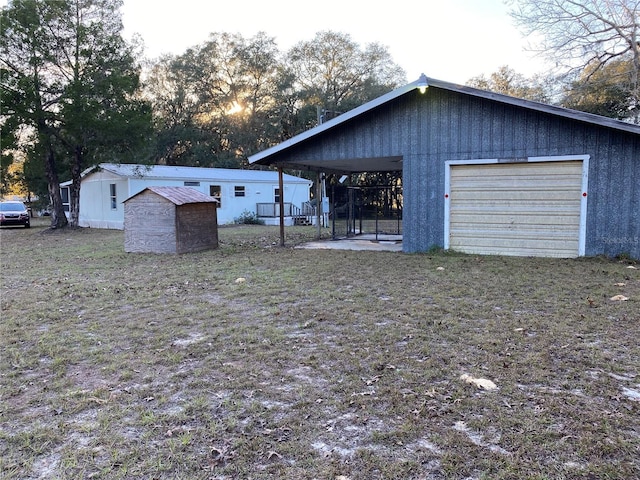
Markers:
(149, 224)
(196, 227)
(464, 128)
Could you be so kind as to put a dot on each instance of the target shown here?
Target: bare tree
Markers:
(576, 34)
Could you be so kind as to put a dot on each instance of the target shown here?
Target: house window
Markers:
(276, 195)
(239, 190)
(191, 184)
(112, 196)
(64, 193)
(216, 192)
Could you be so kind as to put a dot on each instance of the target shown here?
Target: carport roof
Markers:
(269, 156)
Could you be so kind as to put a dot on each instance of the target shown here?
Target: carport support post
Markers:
(319, 211)
(281, 187)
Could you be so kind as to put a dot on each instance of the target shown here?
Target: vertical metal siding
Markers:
(441, 126)
(613, 213)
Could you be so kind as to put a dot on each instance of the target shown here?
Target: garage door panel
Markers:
(495, 243)
(530, 209)
(499, 196)
(472, 221)
(533, 250)
(522, 208)
(498, 245)
(477, 182)
(497, 235)
(528, 168)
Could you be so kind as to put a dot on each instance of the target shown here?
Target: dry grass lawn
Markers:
(255, 361)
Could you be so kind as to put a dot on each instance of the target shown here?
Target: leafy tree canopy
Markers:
(231, 96)
(70, 86)
(508, 82)
(333, 72)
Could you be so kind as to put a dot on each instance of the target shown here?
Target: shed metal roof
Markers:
(262, 157)
(178, 195)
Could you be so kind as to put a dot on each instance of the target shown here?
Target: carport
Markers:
(486, 173)
(366, 156)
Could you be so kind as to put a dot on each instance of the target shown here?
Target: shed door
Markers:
(522, 209)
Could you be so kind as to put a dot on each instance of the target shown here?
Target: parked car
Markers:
(14, 213)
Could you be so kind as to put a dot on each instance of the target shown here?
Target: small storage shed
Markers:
(170, 220)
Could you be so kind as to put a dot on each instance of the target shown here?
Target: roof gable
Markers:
(263, 156)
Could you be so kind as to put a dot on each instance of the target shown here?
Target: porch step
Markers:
(302, 221)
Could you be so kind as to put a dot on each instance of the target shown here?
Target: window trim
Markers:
(113, 196)
(218, 188)
(65, 194)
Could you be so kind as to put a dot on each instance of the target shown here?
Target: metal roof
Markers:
(178, 195)
(167, 172)
(263, 156)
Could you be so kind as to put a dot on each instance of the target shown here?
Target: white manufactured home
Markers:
(104, 188)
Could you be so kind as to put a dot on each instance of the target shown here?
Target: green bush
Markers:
(248, 218)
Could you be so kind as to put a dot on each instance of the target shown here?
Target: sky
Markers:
(451, 40)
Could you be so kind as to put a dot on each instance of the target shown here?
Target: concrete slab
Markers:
(384, 243)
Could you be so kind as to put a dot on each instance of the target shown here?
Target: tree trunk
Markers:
(58, 218)
(74, 203)
(74, 194)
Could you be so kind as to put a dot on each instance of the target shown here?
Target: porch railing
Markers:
(290, 210)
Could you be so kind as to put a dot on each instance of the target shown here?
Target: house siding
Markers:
(231, 206)
(95, 201)
(95, 204)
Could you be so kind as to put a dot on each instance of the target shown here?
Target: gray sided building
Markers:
(487, 173)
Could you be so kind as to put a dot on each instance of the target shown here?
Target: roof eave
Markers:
(538, 106)
(255, 158)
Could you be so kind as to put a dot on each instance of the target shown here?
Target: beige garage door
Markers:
(524, 209)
